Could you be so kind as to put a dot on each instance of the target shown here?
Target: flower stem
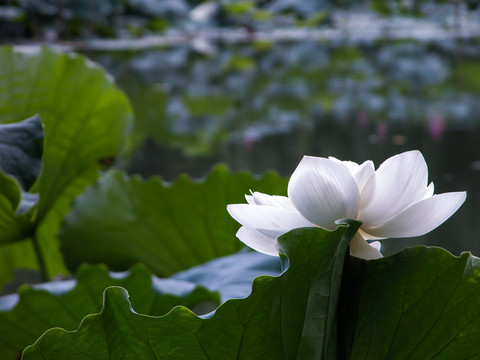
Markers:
(40, 260)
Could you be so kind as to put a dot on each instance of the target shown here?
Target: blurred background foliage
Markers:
(66, 19)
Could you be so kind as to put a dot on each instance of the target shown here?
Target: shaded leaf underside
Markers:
(21, 147)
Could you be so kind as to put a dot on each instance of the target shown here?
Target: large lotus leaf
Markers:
(85, 117)
(168, 227)
(21, 147)
(422, 303)
(285, 317)
(24, 317)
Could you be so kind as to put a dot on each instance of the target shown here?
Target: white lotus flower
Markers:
(394, 201)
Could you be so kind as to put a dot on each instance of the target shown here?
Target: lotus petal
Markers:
(268, 220)
(257, 241)
(258, 198)
(363, 174)
(398, 183)
(323, 191)
(420, 218)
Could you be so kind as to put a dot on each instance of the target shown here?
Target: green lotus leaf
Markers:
(422, 303)
(85, 118)
(286, 317)
(167, 226)
(24, 317)
(85, 115)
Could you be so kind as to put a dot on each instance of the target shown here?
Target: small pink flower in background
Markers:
(382, 131)
(436, 126)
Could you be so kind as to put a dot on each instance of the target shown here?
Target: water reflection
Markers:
(261, 106)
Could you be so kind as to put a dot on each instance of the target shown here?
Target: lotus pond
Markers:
(121, 185)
